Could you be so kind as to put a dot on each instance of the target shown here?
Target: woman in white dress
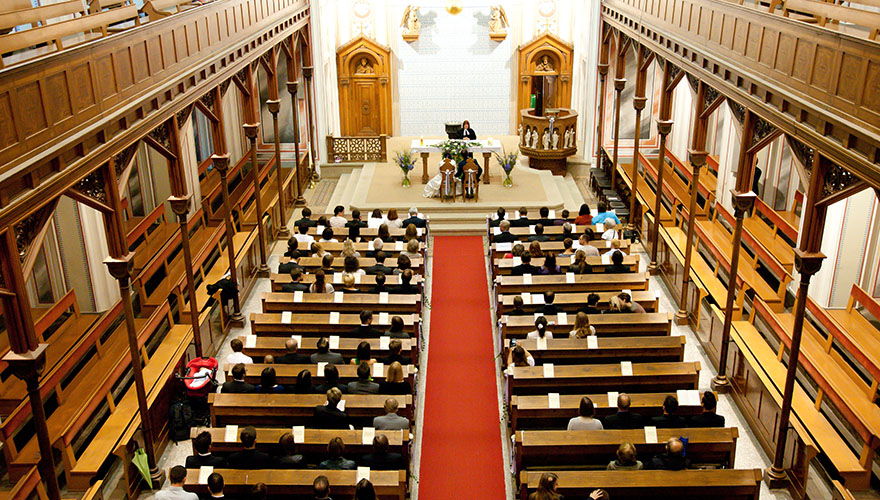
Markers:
(432, 188)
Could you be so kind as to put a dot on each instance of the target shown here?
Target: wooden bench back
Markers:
(11, 18)
(389, 485)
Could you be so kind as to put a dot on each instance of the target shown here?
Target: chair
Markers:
(471, 183)
(447, 180)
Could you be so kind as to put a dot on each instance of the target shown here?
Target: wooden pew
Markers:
(757, 232)
(505, 266)
(717, 484)
(389, 485)
(598, 282)
(157, 9)
(561, 449)
(363, 283)
(284, 410)
(823, 13)
(314, 442)
(286, 374)
(29, 487)
(390, 249)
(313, 264)
(534, 412)
(555, 247)
(308, 345)
(271, 324)
(571, 301)
(859, 338)
(32, 15)
(606, 325)
(367, 233)
(145, 236)
(565, 350)
(350, 302)
(523, 233)
(568, 379)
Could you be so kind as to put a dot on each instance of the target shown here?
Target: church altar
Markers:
(426, 147)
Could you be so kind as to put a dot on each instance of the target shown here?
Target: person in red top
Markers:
(584, 217)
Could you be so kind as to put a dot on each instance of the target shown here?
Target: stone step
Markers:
(336, 196)
(350, 188)
(336, 170)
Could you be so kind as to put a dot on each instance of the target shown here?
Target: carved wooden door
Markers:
(368, 112)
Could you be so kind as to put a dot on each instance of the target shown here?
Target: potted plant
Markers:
(406, 162)
(507, 162)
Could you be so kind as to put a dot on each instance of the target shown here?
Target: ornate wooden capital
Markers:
(292, 87)
(697, 159)
(251, 130)
(27, 364)
(307, 72)
(603, 69)
(807, 263)
(221, 163)
(274, 106)
(664, 127)
(639, 103)
(120, 267)
(742, 202)
(619, 84)
(180, 204)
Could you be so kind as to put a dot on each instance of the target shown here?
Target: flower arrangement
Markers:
(456, 148)
(507, 162)
(406, 162)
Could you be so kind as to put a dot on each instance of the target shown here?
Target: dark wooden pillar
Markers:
(250, 130)
(307, 73)
(274, 106)
(221, 163)
(619, 84)
(602, 67)
(664, 127)
(292, 87)
(639, 101)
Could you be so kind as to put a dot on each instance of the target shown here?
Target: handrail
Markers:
(768, 258)
(143, 225)
(839, 334)
(781, 224)
(650, 167)
(55, 312)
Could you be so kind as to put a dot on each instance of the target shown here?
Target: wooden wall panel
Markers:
(59, 97)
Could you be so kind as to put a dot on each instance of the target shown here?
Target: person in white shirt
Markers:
(177, 478)
(582, 327)
(584, 244)
(327, 236)
(237, 356)
(540, 330)
(585, 421)
(375, 219)
(302, 234)
(518, 356)
(338, 219)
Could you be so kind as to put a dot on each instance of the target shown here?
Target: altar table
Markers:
(425, 148)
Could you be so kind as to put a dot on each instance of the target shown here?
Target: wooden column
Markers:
(619, 84)
(664, 127)
(743, 201)
(27, 357)
(313, 175)
(639, 101)
(250, 130)
(807, 261)
(602, 67)
(274, 107)
(292, 89)
(221, 163)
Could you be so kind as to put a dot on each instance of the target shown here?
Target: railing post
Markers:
(221, 163)
(307, 73)
(274, 106)
(250, 130)
(292, 88)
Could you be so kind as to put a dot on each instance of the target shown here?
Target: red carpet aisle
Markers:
(461, 440)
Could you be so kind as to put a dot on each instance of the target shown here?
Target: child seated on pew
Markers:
(582, 327)
(540, 330)
(626, 458)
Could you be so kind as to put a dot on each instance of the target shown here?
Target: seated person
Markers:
(526, 267)
(585, 420)
(329, 416)
(523, 220)
(566, 232)
(303, 383)
(592, 306)
(296, 284)
(535, 250)
(412, 249)
(321, 488)
(355, 220)
(500, 215)
(379, 266)
(338, 219)
(249, 457)
(288, 458)
(323, 221)
(545, 219)
(324, 355)
(580, 264)
(236, 356)
(326, 257)
(539, 235)
(391, 421)
(405, 286)
(320, 285)
(203, 456)
(376, 246)
(627, 304)
(237, 385)
(669, 419)
(396, 330)
(414, 219)
(519, 356)
(615, 305)
(327, 236)
(616, 266)
(548, 488)
(307, 218)
(291, 357)
(215, 486)
(363, 354)
(403, 263)
(348, 285)
(518, 309)
(383, 233)
(392, 219)
(585, 243)
(302, 234)
(395, 382)
(584, 218)
(626, 458)
(348, 249)
(363, 385)
(410, 232)
(292, 248)
(505, 236)
(623, 419)
(549, 308)
(582, 327)
(380, 458)
(331, 381)
(515, 251)
(394, 348)
(380, 284)
(550, 266)
(335, 449)
(708, 418)
(567, 247)
(673, 459)
(459, 172)
(603, 215)
(365, 330)
(351, 265)
(268, 382)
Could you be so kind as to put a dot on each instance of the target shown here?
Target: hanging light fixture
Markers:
(453, 7)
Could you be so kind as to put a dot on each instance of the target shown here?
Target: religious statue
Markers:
(545, 65)
(498, 23)
(571, 139)
(535, 138)
(519, 133)
(545, 139)
(566, 138)
(364, 68)
(410, 23)
(555, 138)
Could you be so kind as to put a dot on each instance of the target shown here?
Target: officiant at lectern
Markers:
(467, 132)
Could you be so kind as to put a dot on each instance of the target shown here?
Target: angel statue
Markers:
(410, 23)
(498, 23)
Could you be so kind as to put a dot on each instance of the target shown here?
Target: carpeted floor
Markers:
(461, 440)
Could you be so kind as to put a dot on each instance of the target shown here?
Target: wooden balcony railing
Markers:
(349, 149)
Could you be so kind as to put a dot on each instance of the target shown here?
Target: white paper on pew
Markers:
(600, 228)
(503, 247)
(650, 434)
(538, 315)
(612, 399)
(298, 339)
(548, 370)
(527, 298)
(552, 214)
(384, 342)
(688, 397)
(496, 230)
(383, 318)
(321, 366)
(370, 245)
(334, 340)
(569, 277)
(628, 292)
(337, 297)
(574, 229)
(607, 243)
(527, 279)
(383, 297)
(626, 368)
(357, 278)
(538, 298)
(398, 246)
(231, 434)
(592, 342)
(553, 400)
(575, 245)
(378, 370)
(419, 231)
(341, 405)
(656, 294)
(337, 278)
(367, 435)
(299, 434)
(250, 341)
(362, 473)
(516, 214)
(542, 343)
(562, 318)
(319, 229)
(286, 317)
(517, 261)
(298, 296)
(606, 258)
(204, 472)
(334, 319)
(531, 229)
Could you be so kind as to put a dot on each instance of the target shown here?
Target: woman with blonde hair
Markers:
(348, 284)
(395, 382)
(392, 219)
(626, 458)
(580, 265)
(411, 233)
(582, 327)
(412, 249)
(318, 250)
(348, 249)
(616, 305)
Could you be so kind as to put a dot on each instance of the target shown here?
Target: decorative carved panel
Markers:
(363, 68)
(546, 55)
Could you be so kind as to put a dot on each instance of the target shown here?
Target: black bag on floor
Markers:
(180, 420)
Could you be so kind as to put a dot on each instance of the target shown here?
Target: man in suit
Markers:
(523, 220)
(669, 419)
(708, 418)
(616, 266)
(624, 419)
(321, 487)
(545, 217)
(365, 329)
(549, 308)
(329, 416)
(363, 385)
(673, 459)
(249, 457)
(203, 456)
(394, 348)
(215, 486)
(526, 267)
(566, 232)
(505, 236)
(414, 218)
(324, 355)
(331, 381)
(539, 235)
(296, 283)
(355, 220)
(459, 172)
(406, 285)
(500, 215)
(379, 266)
(237, 385)
(391, 421)
(291, 357)
(290, 265)
(306, 218)
(380, 458)
(378, 244)
(380, 284)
